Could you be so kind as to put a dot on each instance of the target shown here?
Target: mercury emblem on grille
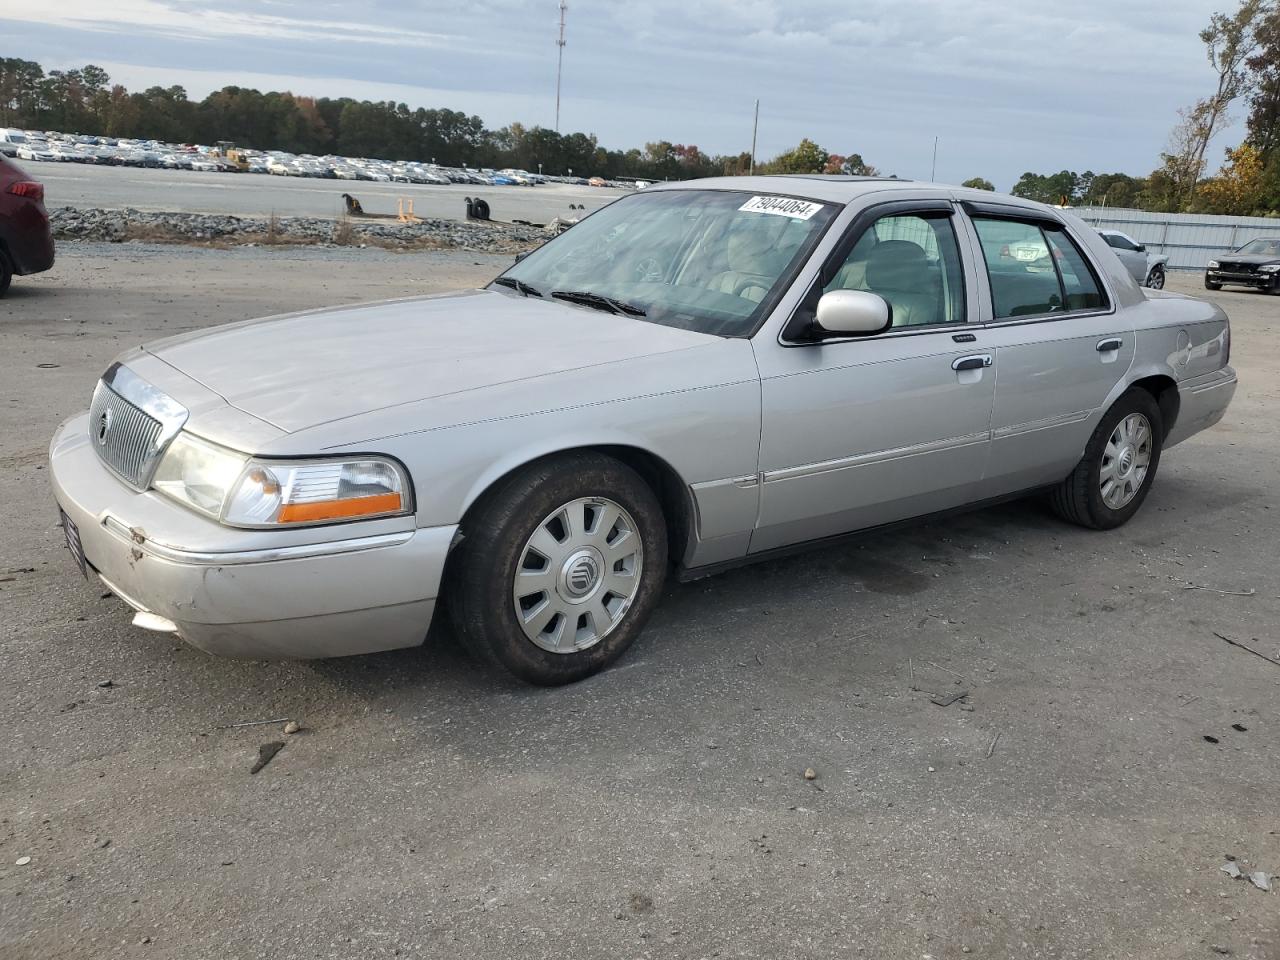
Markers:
(104, 426)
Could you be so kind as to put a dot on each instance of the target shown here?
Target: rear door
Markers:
(1061, 346)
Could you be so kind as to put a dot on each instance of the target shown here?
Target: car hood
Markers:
(301, 370)
(1255, 259)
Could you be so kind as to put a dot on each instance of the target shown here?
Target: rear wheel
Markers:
(6, 273)
(560, 569)
(1155, 280)
(1119, 465)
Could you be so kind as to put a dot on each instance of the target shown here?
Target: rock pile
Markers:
(122, 226)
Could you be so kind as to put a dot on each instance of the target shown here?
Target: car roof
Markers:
(838, 188)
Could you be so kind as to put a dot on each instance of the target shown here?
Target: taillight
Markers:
(27, 188)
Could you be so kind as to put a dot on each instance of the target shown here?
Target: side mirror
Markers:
(521, 256)
(852, 313)
(1142, 248)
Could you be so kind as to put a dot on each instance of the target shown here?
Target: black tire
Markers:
(1210, 285)
(1078, 499)
(481, 602)
(1155, 279)
(1274, 289)
(6, 273)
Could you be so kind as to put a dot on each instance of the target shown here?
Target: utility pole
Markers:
(564, 7)
(933, 173)
(755, 128)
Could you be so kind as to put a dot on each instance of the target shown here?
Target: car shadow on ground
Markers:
(694, 620)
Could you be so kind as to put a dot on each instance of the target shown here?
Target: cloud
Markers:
(193, 20)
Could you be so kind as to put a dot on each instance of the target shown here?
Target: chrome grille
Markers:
(127, 439)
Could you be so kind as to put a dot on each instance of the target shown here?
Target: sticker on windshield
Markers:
(782, 207)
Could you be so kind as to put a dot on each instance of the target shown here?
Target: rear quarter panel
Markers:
(1186, 339)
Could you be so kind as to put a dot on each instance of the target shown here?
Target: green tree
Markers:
(806, 157)
(1059, 188)
(979, 183)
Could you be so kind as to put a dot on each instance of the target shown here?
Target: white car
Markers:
(1145, 267)
(36, 151)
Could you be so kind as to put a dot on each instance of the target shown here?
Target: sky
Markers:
(1005, 87)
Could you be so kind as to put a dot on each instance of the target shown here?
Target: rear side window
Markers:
(1080, 287)
(1035, 271)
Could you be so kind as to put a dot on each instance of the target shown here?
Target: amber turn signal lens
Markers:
(339, 509)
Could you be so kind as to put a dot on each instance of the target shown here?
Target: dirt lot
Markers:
(434, 809)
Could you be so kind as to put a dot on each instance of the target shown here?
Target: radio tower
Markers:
(560, 62)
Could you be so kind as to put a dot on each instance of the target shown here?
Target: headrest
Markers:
(896, 265)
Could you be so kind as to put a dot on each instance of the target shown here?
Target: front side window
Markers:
(704, 260)
(1035, 271)
(913, 262)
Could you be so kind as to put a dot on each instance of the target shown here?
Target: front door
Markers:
(864, 431)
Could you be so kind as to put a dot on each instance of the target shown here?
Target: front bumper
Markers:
(1260, 280)
(251, 593)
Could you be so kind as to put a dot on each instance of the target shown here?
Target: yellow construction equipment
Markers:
(226, 149)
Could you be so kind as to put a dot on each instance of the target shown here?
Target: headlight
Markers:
(273, 493)
(198, 473)
(1270, 268)
(1213, 264)
(244, 492)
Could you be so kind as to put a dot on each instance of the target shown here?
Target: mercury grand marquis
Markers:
(693, 377)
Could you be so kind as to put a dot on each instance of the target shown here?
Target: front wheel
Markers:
(560, 568)
(1210, 285)
(1155, 280)
(1118, 467)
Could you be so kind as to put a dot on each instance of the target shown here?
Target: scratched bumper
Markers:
(256, 594)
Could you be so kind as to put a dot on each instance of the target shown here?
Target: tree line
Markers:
(85, 101)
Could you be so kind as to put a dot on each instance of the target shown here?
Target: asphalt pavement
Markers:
(188, 191)
(1111, 755)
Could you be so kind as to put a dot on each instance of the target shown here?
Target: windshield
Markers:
(704, 260)
(1269, 248)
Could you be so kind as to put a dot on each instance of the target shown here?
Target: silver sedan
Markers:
(695, 376)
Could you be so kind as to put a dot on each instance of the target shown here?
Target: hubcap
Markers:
(577, 575)
(1125, 461)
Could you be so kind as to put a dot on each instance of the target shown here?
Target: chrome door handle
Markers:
(975, 362)
(1111, 343)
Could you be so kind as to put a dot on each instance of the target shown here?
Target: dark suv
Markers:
(1256, 264)
(26, 242)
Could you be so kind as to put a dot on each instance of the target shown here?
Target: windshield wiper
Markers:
(518, 285)
(589, 299)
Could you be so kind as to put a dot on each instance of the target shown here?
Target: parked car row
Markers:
(224, 157)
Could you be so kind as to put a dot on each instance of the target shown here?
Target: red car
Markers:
(26, 242)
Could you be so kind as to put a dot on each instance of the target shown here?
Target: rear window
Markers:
(1035, 271)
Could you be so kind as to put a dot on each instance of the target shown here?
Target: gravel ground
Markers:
(204, 229)
(431, 808)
